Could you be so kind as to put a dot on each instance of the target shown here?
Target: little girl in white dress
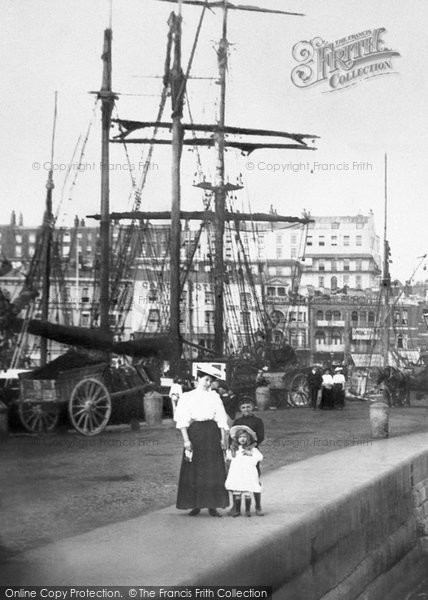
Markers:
(243, 478)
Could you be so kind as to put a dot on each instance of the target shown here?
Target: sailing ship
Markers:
(109, 290)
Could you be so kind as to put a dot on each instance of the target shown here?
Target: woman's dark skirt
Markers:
(201, 482)
(326, 399)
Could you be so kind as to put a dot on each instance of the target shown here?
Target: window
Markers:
(281, 291)
(293, 252)
(294, 239)
(246, 320)
(292, 316)
(245, 298)
(334, 240)
(153, 295)
(18, 239)
(335, 225)
(278, 336)
(337, 315)
(328, 315)
(85, 294)
(278, 239)
(18, 251)
(336, 338)
(321, 265)
(32, 238)
(354, 317)
(209, 297)
(276, 317)
(153, 320)
(359, 240)
(209, 318)
(333, 283)
(346, 240)
(360, 225)
(396, 317)
(363, 316)
(333, 264)
(84, 320)
(309, 240)
(346, 264)
(371, 317)
(321, 240)
(320, 315)
(270, 291)
(358, 282)
(321, 281)
(404, 319)
(346, 280)
(358, 265)
(400, 341)
(279, 252)
(320, 338)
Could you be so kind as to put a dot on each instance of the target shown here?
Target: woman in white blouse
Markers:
(201, 417)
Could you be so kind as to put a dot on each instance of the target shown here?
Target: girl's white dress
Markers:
(243, 475)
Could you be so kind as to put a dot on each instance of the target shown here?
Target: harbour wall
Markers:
(349, 524)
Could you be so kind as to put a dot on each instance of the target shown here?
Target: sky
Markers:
(55, 45)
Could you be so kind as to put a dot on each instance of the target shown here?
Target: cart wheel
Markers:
(38, 417)
(89, 407)
(299, 391)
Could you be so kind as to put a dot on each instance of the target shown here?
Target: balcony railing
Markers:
(330, 323)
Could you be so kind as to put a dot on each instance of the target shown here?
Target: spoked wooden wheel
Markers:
(38, 417)
(299, 391)
(89, 407)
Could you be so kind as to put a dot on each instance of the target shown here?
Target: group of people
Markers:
(332, 386)
(220, 453)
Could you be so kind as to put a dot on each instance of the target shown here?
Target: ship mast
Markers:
(220, 194)
(177, 93)
(386, 277)
(47, 244)
(107, 101)
(219, 187)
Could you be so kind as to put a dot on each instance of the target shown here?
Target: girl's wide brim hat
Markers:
(237, 428)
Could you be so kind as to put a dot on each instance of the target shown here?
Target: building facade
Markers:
(315, 287)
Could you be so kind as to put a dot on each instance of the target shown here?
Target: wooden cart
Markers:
(81, 397)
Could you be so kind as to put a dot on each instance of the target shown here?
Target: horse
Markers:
(399, 383)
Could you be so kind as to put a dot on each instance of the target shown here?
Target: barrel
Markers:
(262, 397)
(379, 418)
(153, 405)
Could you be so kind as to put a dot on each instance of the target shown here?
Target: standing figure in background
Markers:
(314, 383)
(338, 388)
(327, 391)
(175, 393)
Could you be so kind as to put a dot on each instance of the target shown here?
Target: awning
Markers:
(403, 356)
(367, 360)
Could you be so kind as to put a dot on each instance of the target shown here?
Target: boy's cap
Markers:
(246, 401)
(236, 429)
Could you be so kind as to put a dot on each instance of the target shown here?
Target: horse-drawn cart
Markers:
(81, 396)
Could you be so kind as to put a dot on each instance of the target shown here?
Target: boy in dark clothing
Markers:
(246, 406)
(314, 383)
